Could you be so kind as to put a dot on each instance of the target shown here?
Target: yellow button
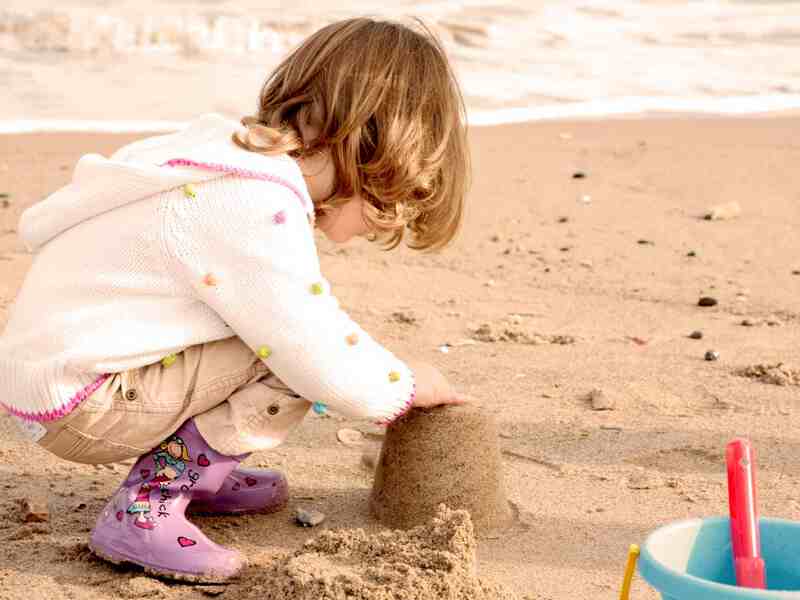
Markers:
(264, 352)
(168, 361)
(394, 376)
(316, 289)
(189, 191)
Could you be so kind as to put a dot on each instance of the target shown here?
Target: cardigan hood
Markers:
(202, 151)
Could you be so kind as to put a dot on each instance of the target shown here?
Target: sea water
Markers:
(111, 62)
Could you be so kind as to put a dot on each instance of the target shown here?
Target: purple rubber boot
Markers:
(244, 491)
(144, 522)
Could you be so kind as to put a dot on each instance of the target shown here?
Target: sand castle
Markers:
(446, 455)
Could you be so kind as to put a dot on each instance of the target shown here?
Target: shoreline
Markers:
(579, 112)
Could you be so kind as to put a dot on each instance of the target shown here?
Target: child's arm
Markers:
(265, 283)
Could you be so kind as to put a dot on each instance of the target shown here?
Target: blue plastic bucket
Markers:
(691, 560)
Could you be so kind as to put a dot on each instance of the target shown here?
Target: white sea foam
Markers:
(738, 106)
(516, 60)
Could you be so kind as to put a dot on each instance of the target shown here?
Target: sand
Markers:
(434, 561)
(444, 454)
(613, 273)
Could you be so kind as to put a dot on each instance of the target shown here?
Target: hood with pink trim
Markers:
(149, 166)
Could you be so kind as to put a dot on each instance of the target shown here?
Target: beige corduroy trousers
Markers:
(238, 405)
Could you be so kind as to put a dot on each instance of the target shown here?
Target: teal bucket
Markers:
(691, 560)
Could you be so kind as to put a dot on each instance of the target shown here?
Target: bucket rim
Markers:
(679, 585)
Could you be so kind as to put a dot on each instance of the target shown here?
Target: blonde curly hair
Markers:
(392, 115)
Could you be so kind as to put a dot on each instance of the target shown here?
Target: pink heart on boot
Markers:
(119, 515)
(203, 461)
(250, 481)
(185, 542)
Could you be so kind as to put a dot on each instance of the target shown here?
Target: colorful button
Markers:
(394, 376)
(168, 361)
(189, 191)
(264, 352)
(316, 289)
(279, 218)
(352, 339)
(210, 280)
(319, 408)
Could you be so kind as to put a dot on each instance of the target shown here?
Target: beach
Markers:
(580, 265)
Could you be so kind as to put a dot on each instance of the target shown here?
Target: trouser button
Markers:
(131, 395)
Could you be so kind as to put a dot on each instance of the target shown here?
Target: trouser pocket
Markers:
(73, 445)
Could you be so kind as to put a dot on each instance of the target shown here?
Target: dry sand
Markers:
(542, 268)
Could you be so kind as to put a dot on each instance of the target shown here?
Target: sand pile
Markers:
(435, 561)
(443, 455)
(778, 374)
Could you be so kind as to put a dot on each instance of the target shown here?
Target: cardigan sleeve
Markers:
(246, 249)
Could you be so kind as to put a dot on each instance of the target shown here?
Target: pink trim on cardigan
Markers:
(406, 407)
(52, 415)
(183, 162)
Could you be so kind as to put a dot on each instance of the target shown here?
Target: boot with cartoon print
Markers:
(244, 491)
(144, 521)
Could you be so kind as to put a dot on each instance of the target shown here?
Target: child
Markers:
(175, 309)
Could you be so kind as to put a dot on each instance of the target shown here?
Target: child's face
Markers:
(174, 448)
(344, 222)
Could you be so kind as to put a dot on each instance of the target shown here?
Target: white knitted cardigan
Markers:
(179, 240)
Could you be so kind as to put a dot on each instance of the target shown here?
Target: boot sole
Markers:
(119, 559)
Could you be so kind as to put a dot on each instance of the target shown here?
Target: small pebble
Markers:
(691, 253)
(566, 219)
(642, 480)
(600, 401)
(350, 437)
(712, 355)
(646, 242)
(707, 301)
(34, 510)
(308, 518)
(747, 323)
(696, 335)
(796, 272)
(721, 212)
(579, 175)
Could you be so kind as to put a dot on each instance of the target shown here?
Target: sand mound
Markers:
(777, 374)
(430, 562)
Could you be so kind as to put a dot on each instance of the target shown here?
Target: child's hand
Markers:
(433, 389)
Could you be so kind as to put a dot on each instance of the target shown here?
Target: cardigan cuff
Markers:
(406, 407)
